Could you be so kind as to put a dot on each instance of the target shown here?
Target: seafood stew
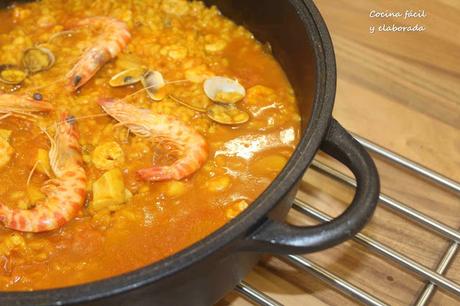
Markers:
(129, 131)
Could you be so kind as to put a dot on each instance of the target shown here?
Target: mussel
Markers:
(223, 90)
(127, 77)
(227, 114)
(11, 74)
(38, 59)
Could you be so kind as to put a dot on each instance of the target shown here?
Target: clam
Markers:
(153, 81)
(127, 77)
(223, 90)
(38, 59)
(11, 74)
(227, 114)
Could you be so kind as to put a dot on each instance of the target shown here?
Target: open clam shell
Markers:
(227, 114)
(38, 59)
(11, 74)
(223, 90)
(153, 82)
(127, 77)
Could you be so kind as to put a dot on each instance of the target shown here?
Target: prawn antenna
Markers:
(152, 86)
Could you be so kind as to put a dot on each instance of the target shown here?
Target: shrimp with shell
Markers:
(145, 123)
(112, 39)
(21, 105)
(65, 194)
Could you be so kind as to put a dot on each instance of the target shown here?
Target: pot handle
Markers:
(281, 238)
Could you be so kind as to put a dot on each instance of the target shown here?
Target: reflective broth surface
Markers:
(187, 43)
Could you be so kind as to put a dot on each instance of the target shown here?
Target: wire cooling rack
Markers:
(434, 278)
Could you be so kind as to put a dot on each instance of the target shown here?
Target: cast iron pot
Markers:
(206, 271)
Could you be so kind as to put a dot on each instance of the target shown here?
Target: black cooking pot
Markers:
(206, 271)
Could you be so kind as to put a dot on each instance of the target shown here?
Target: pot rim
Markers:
(301, 158)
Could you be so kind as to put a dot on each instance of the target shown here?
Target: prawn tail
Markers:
(4, 212)
(177, 171)
(11, 219)
(31, 220)
(157, 174)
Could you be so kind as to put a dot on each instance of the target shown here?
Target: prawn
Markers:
(15, 105)
(113, 38)
(21, 105)
(65, 194)
(145, 123)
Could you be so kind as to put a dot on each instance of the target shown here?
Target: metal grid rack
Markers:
(433, 278)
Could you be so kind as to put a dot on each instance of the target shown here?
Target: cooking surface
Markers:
(401, 91)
